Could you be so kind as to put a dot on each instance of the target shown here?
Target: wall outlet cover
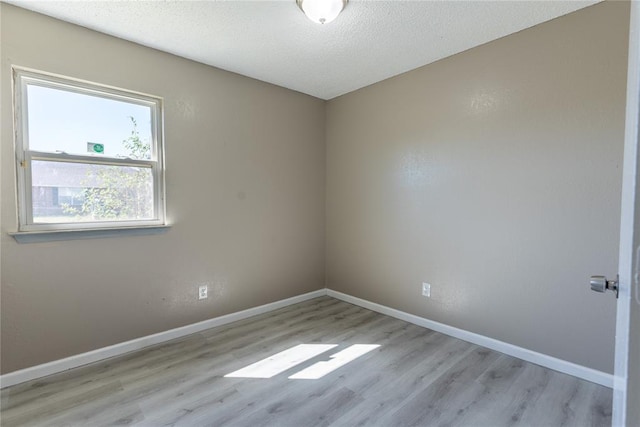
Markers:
(426, 289)
(202, 292)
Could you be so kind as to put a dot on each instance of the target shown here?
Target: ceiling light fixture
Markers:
(322, 11)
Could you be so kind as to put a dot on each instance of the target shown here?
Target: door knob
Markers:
(601, 284)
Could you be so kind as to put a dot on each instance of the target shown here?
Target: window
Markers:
(89, 156)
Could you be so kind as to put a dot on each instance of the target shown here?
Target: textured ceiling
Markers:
(274, 42)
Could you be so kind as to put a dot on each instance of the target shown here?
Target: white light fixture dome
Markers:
(322, 11)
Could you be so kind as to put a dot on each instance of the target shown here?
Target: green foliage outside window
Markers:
(118, 193)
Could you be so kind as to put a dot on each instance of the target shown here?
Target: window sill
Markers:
(52, 236)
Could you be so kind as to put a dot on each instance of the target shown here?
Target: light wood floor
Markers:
(416, 377)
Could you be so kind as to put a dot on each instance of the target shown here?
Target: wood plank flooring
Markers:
(417, 377)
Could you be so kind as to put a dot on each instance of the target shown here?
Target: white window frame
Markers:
(24, 155)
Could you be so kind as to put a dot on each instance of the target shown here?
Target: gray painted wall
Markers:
(245, 191)
(495, 175)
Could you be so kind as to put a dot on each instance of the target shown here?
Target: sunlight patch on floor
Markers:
(273, 365)
(285, 360)
(338, 360)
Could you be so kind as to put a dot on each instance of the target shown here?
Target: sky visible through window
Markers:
(66, 121)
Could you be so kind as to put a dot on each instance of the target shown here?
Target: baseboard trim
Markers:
(97, 355)
(550, 362)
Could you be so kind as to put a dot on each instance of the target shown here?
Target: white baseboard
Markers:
(78, 360)
(71, 362)
(550, 362)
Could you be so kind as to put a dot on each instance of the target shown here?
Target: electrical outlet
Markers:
(426, 289)
(202, 292)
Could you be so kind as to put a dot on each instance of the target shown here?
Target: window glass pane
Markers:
(75, 123)
(75, 192)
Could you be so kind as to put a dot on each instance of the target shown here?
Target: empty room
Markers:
(319, 213)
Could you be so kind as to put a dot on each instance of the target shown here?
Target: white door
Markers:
(626, 389)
